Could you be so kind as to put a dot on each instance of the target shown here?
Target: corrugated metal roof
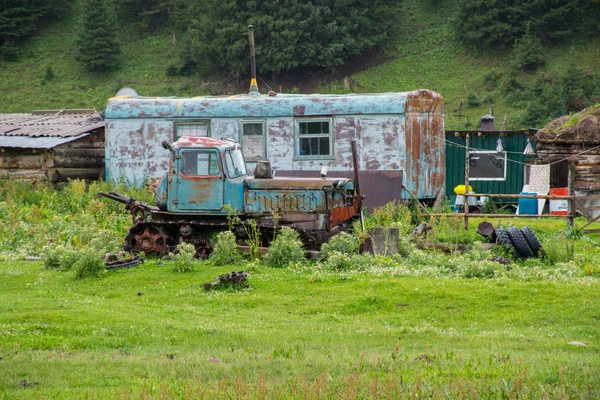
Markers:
(50, 123)
(43, 142)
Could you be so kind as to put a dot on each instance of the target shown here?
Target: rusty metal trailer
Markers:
(400, 136)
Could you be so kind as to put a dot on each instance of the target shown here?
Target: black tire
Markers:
(532, 240)
(504, 240)
(518, 240)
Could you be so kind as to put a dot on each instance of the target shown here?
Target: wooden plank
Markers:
(462, 215)
(582, 210)
(520, 196)
(571, 206)
(588, 231)
(589, 197)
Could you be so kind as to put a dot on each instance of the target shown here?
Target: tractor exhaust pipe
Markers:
(355, 167)
(357, 193)
(253, 85)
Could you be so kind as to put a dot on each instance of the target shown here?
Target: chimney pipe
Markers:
(253, 85)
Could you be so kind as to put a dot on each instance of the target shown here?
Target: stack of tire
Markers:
(522, 243)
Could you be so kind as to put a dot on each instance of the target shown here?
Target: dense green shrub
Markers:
(491, 80)
(225, 249)
(342, 243)
(394, 213)
(473, 100)
(59, 257)
(184, 259)
(285, 249)
(89, 264)
(528, 54)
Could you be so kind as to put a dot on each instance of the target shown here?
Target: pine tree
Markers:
(148, 14)
(289, 33)
(501, 23)
(97, 45)
(20, 18)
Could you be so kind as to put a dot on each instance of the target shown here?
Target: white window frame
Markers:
(298, 136)
(501, 154)
(177, 124)
(263, 136)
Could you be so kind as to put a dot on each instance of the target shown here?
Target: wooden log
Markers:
(63, 174)
(87, 152)
(23, 174)
(444, 247)
(77, 162)
(520, 196)
(25, 161)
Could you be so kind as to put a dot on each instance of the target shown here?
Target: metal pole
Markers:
(466, 203)
(253, 85)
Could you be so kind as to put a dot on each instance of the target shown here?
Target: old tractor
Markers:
(207, 183)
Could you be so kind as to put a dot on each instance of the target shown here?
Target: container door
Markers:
(199, 181)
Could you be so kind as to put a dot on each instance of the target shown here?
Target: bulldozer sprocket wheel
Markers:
(520, 243)
(150, 240)
(532, 240)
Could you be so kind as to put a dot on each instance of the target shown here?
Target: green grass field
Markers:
(149, 332)
(425, 324)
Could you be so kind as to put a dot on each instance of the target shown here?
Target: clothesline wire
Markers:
(516, 152)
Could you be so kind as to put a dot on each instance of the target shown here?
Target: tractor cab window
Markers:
(200, 162)
(236, 166)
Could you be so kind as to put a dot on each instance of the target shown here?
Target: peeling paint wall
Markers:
(400, 136)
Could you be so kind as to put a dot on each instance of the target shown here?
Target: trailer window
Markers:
(487, 166)
(199, 163)
(314, 138)
(191, 129)
(253, 140)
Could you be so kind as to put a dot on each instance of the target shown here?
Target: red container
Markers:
(558, 207)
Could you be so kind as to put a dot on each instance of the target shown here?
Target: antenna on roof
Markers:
(253, 85)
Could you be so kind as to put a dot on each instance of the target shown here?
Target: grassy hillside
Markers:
(425, 55)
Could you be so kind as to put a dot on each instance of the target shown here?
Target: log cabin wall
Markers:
(82, 158)
(587, 165)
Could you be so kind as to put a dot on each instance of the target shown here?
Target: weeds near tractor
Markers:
(184, 260)
(343, 243)
(250, 229)
(285, 249)
(225, 249)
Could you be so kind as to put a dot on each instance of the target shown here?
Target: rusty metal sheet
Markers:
(282, 183)
(379, 187)
(400, 136)
(281, 105)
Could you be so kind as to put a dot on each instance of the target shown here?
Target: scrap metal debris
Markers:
(234, 279)
(121, 259)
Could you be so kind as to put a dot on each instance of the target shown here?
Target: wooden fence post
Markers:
(466, 203)
(571, 208)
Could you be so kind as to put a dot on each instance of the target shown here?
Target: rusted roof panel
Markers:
(280, 105)
(27, 142)
(50, 123)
